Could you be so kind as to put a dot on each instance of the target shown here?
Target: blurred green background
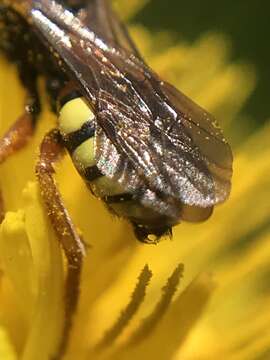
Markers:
(245, 22)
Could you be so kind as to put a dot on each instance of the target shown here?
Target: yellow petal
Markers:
(32, 261)
(7, 351)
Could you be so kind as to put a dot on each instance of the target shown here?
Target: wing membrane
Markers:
(165, 143)
(115, 165)
(203, 129)
(101, 18)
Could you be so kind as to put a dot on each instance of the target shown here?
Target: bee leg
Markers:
(18, 135)
(50, 151)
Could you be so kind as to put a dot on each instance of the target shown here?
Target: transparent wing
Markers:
(115, 165)
(164, 154)
(173, 147)
(203, 129)
(101, 18)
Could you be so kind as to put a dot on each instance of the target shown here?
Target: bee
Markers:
(151, 154)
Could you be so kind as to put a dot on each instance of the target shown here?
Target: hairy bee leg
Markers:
(50, 151)
(18, 135)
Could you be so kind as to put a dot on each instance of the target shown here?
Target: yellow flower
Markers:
(139, 301)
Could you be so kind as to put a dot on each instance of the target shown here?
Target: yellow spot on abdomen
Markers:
(105, 186)
(84, 155)
(73, 115)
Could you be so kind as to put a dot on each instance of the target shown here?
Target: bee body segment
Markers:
(76, 123)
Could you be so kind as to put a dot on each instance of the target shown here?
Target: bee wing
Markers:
(204, 131)
(102, 19)
(166, 148)
(173, 146)
(118, 166)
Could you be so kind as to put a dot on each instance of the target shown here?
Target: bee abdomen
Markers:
(77, 127)
(118, 198)
(78, 137)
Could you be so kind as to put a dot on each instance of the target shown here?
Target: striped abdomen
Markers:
(77, 127)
